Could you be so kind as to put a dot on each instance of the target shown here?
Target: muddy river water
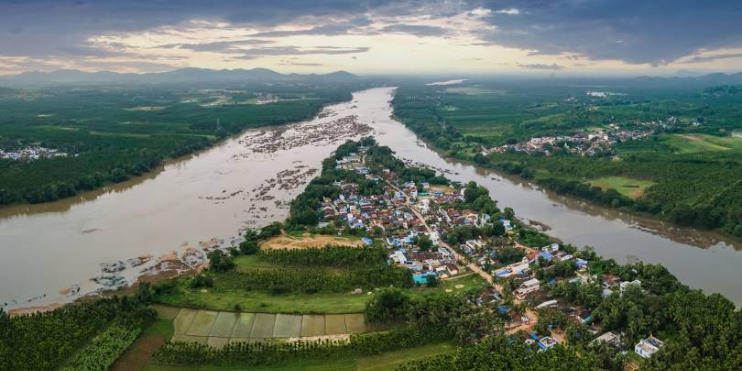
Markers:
(60, 251)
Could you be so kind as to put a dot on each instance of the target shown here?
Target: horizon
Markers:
(376, 38)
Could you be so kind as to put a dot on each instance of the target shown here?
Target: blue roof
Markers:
(581, 262)
(504, 273)
(422, 278)
(502, 309)
(367, 240)
(547, 255)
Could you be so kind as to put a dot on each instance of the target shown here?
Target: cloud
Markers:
(541, 66)
(417, 30)
(699, 58)
(236, 46)
(508, 11)
(636, 31)
(654, 32)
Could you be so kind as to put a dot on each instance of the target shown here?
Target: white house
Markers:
(648, 346)
(529, 287)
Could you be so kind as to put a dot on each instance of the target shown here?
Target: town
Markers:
(426, 230)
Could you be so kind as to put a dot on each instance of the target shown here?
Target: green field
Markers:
(698, 143)
(382, 362)
(250, 301)
(633, 188)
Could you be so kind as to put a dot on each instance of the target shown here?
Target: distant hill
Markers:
(183, 75)
(709, 79)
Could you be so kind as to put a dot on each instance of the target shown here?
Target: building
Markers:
(547, 343)
(529, 287)
(610, 338)
(647, 347)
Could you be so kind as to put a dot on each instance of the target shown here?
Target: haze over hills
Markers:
(175, 76)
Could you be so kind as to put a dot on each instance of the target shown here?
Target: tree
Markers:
(220, 262)
(424, 242)
(431, 280)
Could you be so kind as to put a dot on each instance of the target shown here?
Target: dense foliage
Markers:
(43, 341)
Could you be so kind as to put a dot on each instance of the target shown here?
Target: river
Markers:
(49, 253)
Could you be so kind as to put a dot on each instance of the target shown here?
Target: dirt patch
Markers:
(139, 355)
(285, 242)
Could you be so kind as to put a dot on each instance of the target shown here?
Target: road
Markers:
(532, 315)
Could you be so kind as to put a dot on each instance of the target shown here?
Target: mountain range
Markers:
(183, 75)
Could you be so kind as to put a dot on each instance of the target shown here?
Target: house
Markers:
(547, 304)
(647, 347)
(585, 317)
(452, 269)
(551, 248)
(547, 343)
(529, 287)
(610, 338)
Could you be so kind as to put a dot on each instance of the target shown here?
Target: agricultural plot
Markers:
(202, 323)
(220, 328)
(313, 325)
(633, 188)
(264, 325)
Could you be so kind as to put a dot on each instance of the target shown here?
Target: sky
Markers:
(444, 37)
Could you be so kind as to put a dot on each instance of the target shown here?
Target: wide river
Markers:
(52, 252)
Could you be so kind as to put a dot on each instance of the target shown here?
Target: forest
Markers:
(113, 133)
(689, 171)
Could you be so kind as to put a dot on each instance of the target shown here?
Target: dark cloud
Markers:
(417, 30)
(236, 46)
(636, 31)
(712, 58)
(541, 66)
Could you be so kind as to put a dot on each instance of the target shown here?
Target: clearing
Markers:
(695, 143)
(307, 240)
(633, 188)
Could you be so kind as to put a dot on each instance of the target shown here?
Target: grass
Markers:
(381, 362)
(633, 188)
(249, 301)
(702, 143)
(258, 302)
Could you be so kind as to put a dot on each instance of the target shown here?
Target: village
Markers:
(591, 143)
(420, 225)
(31, 154)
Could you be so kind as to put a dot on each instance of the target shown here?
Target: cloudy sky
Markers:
(374, 36)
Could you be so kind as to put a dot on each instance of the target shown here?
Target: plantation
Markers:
(103, 329)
